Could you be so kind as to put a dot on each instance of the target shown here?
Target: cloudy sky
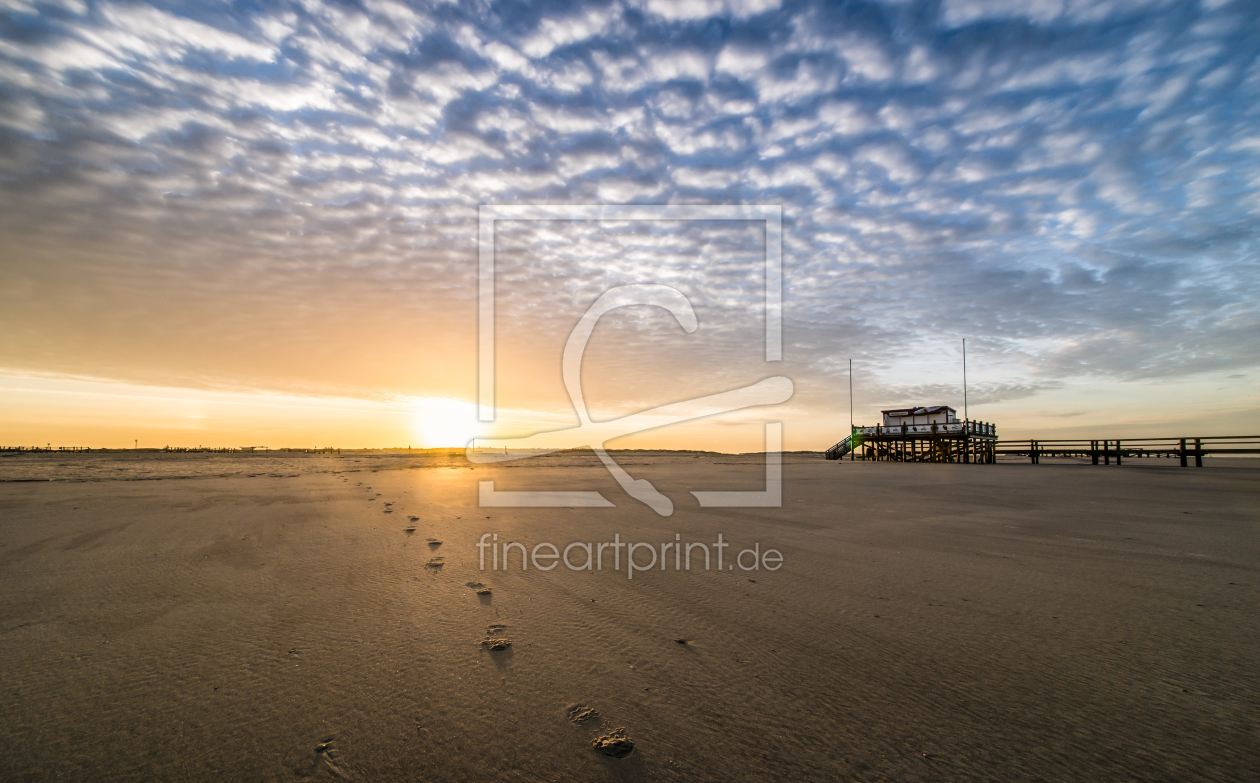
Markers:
(232, 223)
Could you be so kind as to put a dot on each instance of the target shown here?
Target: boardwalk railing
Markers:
(1104, 451)
(953, 428)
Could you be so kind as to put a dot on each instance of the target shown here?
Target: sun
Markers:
(442, 422)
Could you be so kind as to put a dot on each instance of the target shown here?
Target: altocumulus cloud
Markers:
(1073, 185)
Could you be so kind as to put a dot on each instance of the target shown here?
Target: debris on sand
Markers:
(615, 743)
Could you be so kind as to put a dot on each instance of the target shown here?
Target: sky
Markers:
(256, 223)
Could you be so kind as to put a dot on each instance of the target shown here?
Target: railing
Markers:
(979, 428)
(1105, 450)
(843, 447)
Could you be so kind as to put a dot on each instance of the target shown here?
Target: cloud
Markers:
(564, 31)
(957, 13)
(1066, 184)
(139, 31)
(691, 10)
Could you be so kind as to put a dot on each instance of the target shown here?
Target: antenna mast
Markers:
(966, 417)
(850, 396)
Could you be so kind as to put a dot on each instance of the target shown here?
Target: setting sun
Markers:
(442, 422)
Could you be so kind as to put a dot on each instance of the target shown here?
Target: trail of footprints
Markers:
(614, 742)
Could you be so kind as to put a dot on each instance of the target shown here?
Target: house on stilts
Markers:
(920, 434)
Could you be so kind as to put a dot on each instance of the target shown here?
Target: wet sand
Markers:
(928, 623)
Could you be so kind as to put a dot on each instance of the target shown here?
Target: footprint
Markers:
(409, 530)
(615, 743)
(580, 713)
(496, 644)
(433, 542)
(327, 754)
(413, 519)
(473, 585)
(435, 562)
(484, 591)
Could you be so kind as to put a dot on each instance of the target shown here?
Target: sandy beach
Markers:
(317, 617)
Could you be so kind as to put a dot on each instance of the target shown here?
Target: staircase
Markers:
(843, 447)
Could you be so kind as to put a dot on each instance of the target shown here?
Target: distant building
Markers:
(930, 433)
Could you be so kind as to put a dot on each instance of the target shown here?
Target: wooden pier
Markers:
(1102, 452)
